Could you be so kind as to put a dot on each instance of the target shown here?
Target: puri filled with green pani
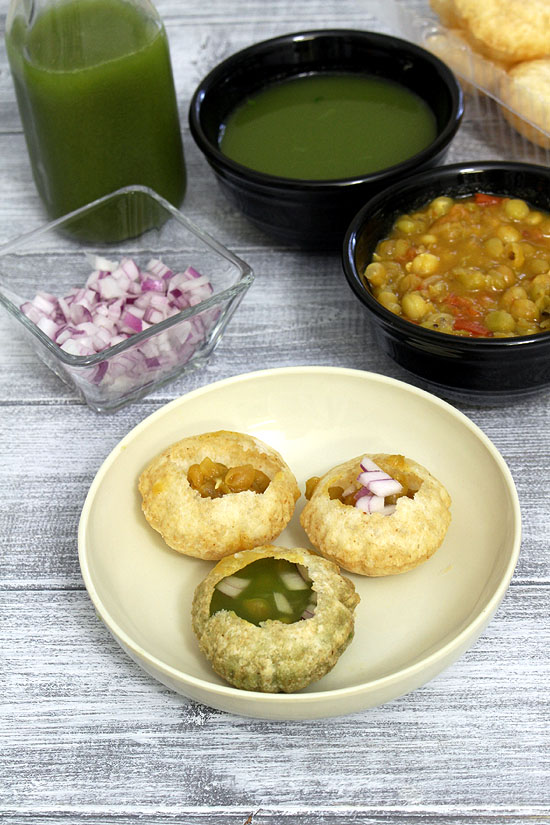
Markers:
(274, 619)
(326, 126)
(269, 588)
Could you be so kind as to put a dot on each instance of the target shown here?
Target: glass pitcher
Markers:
(95, 91)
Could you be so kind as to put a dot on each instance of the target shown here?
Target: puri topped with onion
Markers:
(274, 619)
(213, 494)
(377, 515)
(477, 267)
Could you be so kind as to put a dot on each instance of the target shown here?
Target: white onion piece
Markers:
(281, 603)
(292, 580)
(232, 585)
(119, 300)
(309, 612)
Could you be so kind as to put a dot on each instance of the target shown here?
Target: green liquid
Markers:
(323, 126)
(266, 593)
(96, 96)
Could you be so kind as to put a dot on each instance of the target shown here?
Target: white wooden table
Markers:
(85, 735)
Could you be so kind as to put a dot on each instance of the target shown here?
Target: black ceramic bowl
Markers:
(315, 214)
(484, 369)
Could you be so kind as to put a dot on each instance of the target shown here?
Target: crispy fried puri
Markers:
(375, 544)
(526, 90)
(507, 31)
(210, 528)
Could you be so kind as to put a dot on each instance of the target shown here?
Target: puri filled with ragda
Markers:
(213, 494)
(477, 266)
(377, 515)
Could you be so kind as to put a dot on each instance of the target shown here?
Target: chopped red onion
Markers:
(130, 268)
(129, 320)
(47, 325)
(375, 486)
(376, 480)
(119, 300)
(153, 285)
(309, 612)
(384, 487)
(371, 475)
(159, 269)
(367, 463)
(370, 503)
(44, 302)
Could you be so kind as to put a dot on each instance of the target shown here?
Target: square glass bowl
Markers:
(141, 226)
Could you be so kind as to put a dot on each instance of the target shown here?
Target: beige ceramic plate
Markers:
(408, 627)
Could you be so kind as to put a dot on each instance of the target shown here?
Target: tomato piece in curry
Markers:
(477, 267)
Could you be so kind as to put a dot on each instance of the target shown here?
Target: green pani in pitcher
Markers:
(96, 95)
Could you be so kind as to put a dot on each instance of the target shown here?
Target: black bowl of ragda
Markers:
(453, 268)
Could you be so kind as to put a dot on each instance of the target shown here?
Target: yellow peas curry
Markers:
(212, 479)
(477, 267)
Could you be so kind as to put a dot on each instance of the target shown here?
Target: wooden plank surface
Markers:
(85, 735)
